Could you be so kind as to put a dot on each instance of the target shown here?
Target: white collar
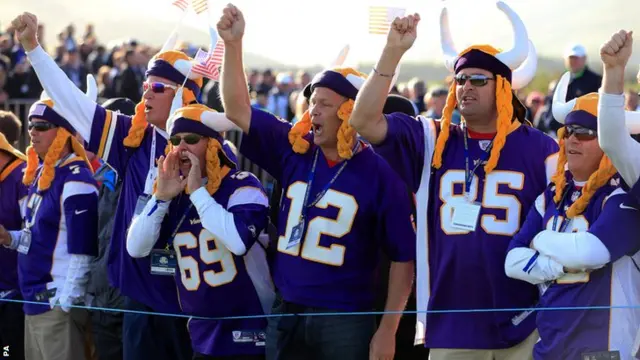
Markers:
(161, 132)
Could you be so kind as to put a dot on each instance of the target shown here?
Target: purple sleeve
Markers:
(394, 221)
(635, 192)
(250, 220)
(108, 131)
(618, 225)
(403, 148)
(81, 214)
(530, 228)
(267, 143)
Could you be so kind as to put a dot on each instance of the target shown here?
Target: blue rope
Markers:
(353, 313)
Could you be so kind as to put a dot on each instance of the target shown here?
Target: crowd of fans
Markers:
(95, 159)
(119, 69)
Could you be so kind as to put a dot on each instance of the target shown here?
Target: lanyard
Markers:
(153, 171)
(152, 156)
(326, 188)
(175, 231)
(468, 175)
(173, 235)
(560, 211)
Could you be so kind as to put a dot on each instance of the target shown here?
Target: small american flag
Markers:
(200, 6)
(381, 17)
(208, 64)
(181, 4)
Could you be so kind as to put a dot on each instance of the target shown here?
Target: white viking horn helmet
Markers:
(170, 44)
(448, 48)
(518, 54)
(560, 107)
(512, 58)
(217, 121)
(92, 90)
(342, 56)
(523, 75)
(185, 66)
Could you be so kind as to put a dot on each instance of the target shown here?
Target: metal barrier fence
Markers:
(20, 107)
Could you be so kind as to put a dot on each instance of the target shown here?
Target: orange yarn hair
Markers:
(504, 108)
(346, 133)
(215, 172)
(139, 120)
(50, 159)
(598, 179)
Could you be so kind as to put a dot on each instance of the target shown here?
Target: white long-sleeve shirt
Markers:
(145, 229)
(614, 138)
(69, 101)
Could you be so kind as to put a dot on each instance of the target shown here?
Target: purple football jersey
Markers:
(131, 276)
(466, 268)
(12, 192)
(367, 209)
(635, 191)
(63, 220)
(568, 334)
(212, 281)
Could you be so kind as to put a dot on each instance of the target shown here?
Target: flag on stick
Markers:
(381, 17)
(208, 63)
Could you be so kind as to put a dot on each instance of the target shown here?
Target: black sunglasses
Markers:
(41, 126)
(190, 139)
(582, 134)
(476, 80)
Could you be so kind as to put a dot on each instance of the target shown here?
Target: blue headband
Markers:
(42, 111)
(163, 69)
(334, 81)
(582, 118)
(481, 60)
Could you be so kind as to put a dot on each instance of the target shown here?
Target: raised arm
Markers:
(613, 135)
(367, 117)
(69, 101)
(233, 84)
(238, 225)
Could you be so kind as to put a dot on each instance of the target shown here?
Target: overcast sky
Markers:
(307, 33)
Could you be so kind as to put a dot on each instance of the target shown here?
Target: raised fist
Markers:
(26, 27)
(231, 24)
(617, 51)
(403, 32)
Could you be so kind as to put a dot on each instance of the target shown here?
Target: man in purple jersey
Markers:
(12, 193)
(474, 184)
(58, 239)
(131, 146)
(211, 229)
(341, 205)
(577, 245)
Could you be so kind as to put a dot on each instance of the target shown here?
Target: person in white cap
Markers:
(583, 80)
